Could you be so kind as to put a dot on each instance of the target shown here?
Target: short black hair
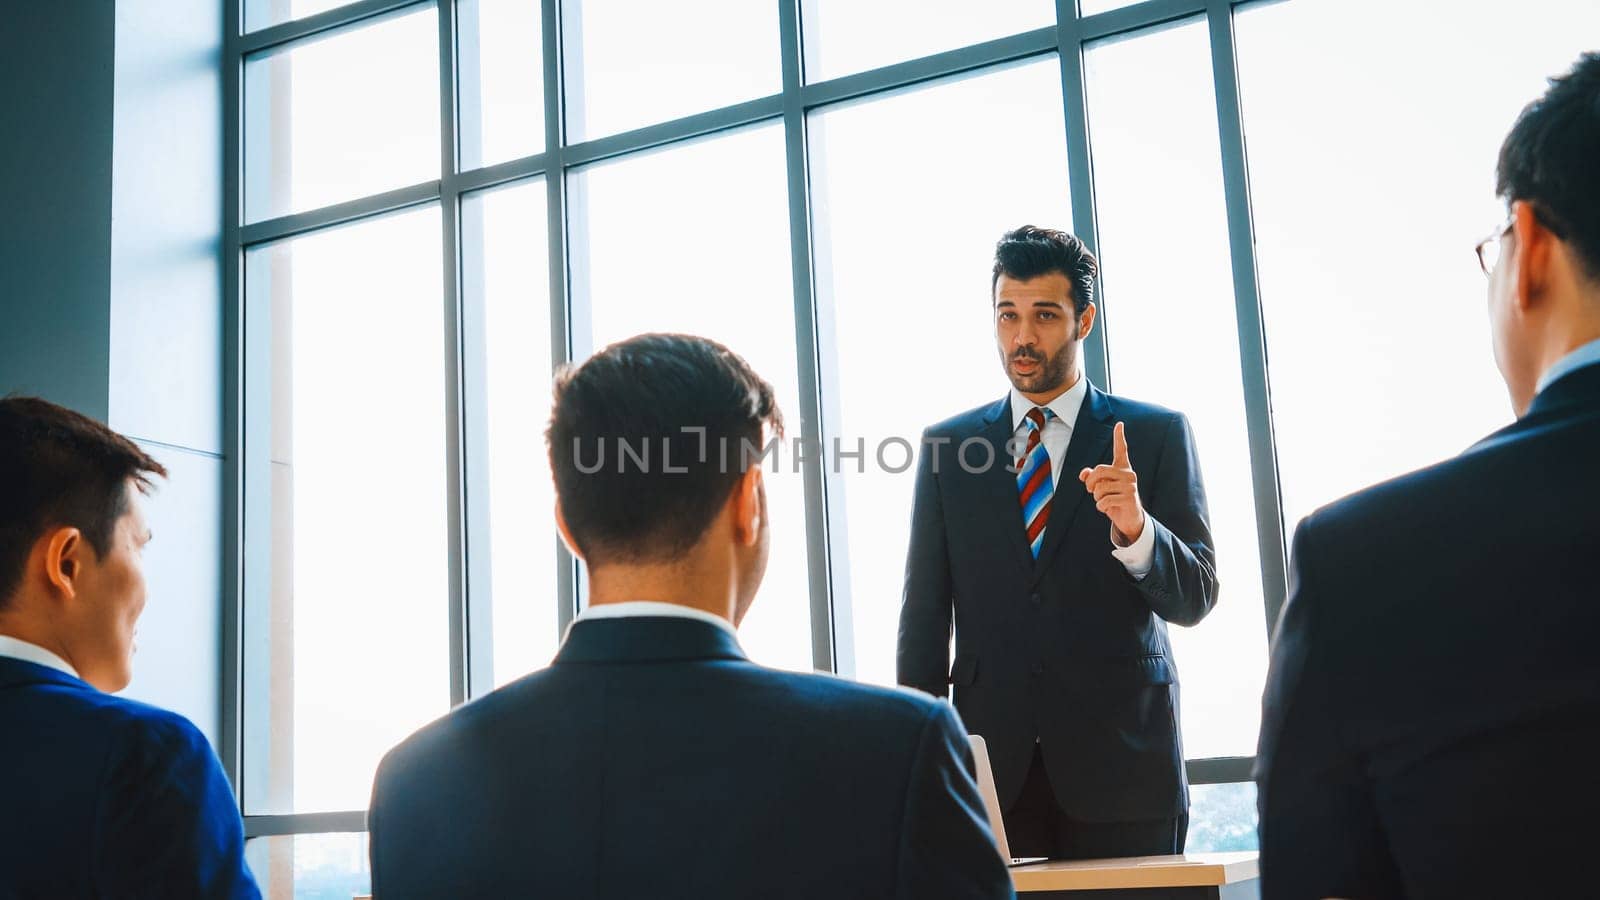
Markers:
(1551, 159)
(60, 468)
(1030, 251)
(636, 477)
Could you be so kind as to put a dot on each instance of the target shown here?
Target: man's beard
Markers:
(1051, 374)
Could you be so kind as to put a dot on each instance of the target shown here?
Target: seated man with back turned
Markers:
(99, 796)
(652, 759)
(1433, 709)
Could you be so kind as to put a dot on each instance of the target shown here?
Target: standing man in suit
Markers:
(652, 759)
(99, 796)
(1432, 709)
(1060, 528)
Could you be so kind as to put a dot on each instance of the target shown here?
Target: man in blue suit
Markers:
(99, 796)
(1059, 529)
(1432, 710)
(652, 759)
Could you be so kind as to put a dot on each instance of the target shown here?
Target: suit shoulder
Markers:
(961, 424)
(839, 696)
(141, 721)
(438, 736)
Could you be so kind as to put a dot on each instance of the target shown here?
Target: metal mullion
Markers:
(338, 214)
(498, 174)
(1247, 306)
(556, 240)
(928, 68)
(1220, 769)
(1080, 173)
(233, 386)
(300, 29)
(697, 125)
(305, 823)
(458, 441)
(1138, 17)
(830, 614)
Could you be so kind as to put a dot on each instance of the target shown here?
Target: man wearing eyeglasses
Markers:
(1432, 713)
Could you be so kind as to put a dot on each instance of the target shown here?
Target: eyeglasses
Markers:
(1488, 249)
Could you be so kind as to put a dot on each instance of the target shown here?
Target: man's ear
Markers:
(63, 551)
(566, 533)
(1086, 321)
(1535, 250)
(746, 507)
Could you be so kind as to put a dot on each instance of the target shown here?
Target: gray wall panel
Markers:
(55, 201)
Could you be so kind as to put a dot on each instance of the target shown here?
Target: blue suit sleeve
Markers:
(1181, 586)
(946, 847)
(169, 826)
(1320, 831)
(922, 657)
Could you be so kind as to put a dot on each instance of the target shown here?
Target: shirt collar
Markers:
(1065, 406)
(1588, 354)
(20, 649)
(636, 608)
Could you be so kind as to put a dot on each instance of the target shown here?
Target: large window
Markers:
(1169, 321)
(908, 202)
(653, 250)
(1380, 360)
(434, 204)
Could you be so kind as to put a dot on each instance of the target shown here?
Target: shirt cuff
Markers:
(1138, 557)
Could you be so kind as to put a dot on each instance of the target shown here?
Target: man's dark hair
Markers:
(1030, 251)
(58, 469)
(637, 477)
(1551, 159)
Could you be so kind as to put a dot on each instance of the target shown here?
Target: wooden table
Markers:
(1213, 876)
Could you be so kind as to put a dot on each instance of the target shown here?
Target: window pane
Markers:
(847, 36)
(909, 200)
(260, 14)
(506, 270)
(695, 238)
(310, 866)
(1173, 337)
(1222, 818)
(631, 64)
(348, 653)
(338, 117)
(1381, 360)
(501, 49)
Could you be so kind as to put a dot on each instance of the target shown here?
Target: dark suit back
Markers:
(653, 760)
(1067, 649)
(1433, 710)
(105, 797)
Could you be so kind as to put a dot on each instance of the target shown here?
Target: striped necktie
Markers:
(1034, 484)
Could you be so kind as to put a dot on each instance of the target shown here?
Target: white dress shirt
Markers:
(20, 649)
(1139, 557)
(637, 608)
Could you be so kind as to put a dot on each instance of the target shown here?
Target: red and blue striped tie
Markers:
(1035, 488)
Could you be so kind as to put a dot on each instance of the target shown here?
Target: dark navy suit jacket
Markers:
(652, 759)
(1432, 715)
(1068, 649)
(106, 797)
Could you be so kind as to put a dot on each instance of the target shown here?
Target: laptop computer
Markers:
(991, 802)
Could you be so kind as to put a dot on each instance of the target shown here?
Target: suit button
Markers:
(1038, 668)
(1034, 599)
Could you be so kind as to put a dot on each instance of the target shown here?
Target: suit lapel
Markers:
(1088, 446)
(1000, 483)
